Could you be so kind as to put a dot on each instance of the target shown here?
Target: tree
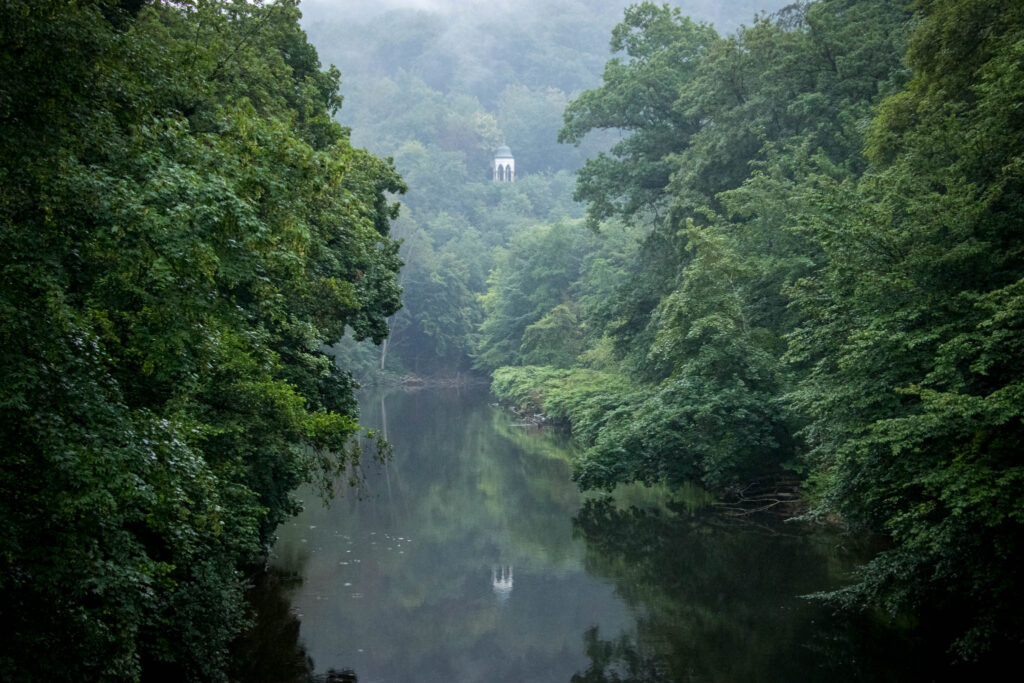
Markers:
(185, 228)
(638, 96)
(525, 291)
(914, 331)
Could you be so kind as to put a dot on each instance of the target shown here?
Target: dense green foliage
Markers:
(417, 94)
(825, 280)
(709, 176)
(439, 90)
(915, 389)
(800, 257)
(184, 228)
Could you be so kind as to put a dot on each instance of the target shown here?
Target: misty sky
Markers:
(384, 5)
(725, 14)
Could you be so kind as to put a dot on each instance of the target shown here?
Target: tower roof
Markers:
(503, 153)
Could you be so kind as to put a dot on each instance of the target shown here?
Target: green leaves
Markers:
(793, 296)
(185, 228)
(730, 141)
(638, 95)
(913, 327)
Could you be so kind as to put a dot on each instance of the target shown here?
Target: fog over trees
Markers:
(748, 246)
(799, 258)
(439, 87)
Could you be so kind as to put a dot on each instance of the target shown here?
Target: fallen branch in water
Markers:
(757, 497)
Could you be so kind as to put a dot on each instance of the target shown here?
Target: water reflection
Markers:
(412, 579)
(271, 651)
(719, 601)
(501, 582)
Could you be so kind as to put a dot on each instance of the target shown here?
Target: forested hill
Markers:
(439, 87)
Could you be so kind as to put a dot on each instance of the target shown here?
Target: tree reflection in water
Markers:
(720, 602)
(272, 652)
(396, 583)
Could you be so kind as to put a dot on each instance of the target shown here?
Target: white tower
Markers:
(504, 165)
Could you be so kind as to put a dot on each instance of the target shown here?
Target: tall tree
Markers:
(915, 333)
(718, 169)
(184, 228)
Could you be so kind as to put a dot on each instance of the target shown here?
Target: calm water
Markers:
(471, 556)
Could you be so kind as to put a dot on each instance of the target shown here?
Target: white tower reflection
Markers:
(501, 582)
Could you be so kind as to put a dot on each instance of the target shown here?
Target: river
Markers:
(471, 556)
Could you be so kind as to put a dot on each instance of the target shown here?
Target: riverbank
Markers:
(472, 557)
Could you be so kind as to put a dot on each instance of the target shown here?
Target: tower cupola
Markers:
(504, 165)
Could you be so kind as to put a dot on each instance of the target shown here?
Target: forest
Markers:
(747, 248)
